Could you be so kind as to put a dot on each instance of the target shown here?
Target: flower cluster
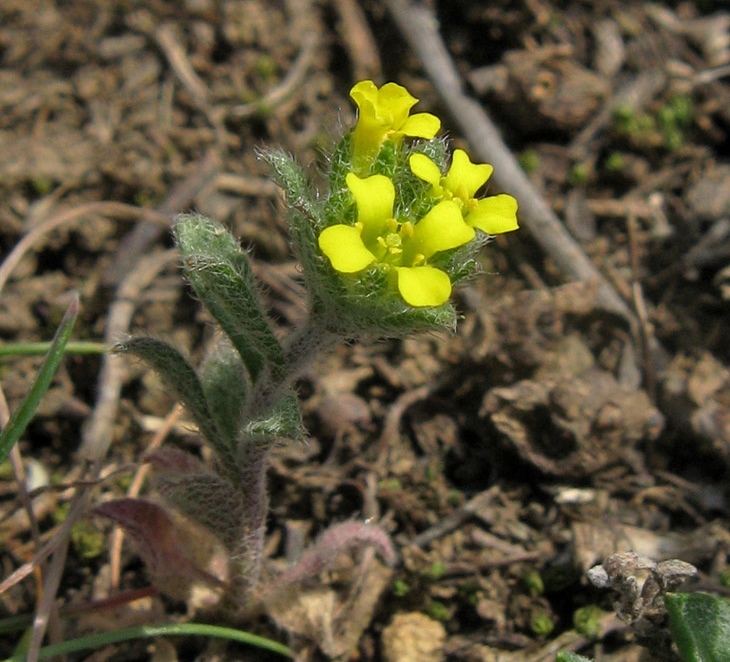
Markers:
(385, 234)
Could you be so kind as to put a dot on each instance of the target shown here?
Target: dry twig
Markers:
(359, 40)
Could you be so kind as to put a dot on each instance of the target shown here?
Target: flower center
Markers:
(391, 241)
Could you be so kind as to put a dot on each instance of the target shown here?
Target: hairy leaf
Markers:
(700, 626)
(158, 544)
(220, 273)
(183, 381)
(283, 423)
(208, 499)
(224, 381)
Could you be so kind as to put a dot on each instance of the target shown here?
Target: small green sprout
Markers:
(534, 583)
(436, 571)
(87, 540)
(541, 623)
(529, 161)
(438, 611)
(579, 174)
(615, 162)
(265, 67)
(401, 588)
(665, 127)
(587, 620)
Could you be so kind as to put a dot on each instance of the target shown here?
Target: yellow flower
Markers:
(401, 247)
(384, 115)
(493, 215)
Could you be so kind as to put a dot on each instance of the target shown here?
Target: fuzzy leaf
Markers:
(306, 217)
(181, 378)
(700, 626)
(291, 178)
(224, 381)
(208, 499)
(220, 273)
(170, 459)
(158, 543)
(284, 422)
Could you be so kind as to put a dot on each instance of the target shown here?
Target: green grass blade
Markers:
(15, 623)
(21, 417)
(151, 631)
(81, 347)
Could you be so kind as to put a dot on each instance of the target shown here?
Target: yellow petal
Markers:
(345, 249)
(464, 177)
(442, 229)
(421, 125)
(393, 104)
(423, 286)
(383, 113)
(495, 214)
(371, 126)
(425, 169)
(380, 110)
(374, 197)
(364, 91)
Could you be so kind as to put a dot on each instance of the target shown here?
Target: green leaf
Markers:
(305, 216)
(180, 377)
(284, 422)
(24, 413)
(220, 273)
(208, 499)
(700, 626)
(571, 657)
(224, 380)
(290, 176)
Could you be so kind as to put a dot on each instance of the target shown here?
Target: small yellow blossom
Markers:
(384, 115)
(401, 247)
(493, 215)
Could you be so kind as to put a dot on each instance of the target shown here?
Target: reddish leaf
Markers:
(157, 542)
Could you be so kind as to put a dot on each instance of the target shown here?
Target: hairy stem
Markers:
(305, 345)
(246, 558)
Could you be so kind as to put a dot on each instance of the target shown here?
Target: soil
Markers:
(505, 460)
